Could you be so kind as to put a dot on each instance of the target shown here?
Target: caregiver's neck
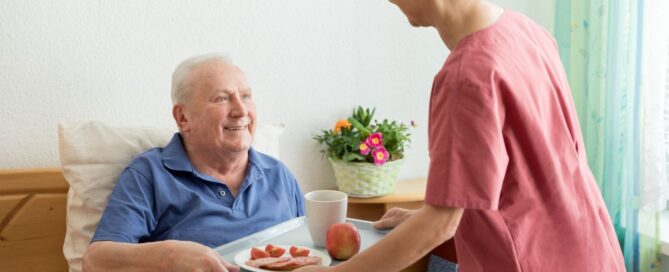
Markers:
(455, 19)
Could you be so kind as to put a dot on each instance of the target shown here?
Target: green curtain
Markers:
(600, 47)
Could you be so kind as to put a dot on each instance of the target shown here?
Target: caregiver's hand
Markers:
(393, 217)
(315, 268)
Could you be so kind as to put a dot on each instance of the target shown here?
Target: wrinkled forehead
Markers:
(217, 68)
(218, 75)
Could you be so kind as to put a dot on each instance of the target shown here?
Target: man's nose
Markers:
(239, 108)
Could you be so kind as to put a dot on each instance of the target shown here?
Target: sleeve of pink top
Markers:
(468, 157)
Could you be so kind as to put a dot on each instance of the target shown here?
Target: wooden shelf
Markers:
(409, 194)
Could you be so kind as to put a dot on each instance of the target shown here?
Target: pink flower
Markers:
(364, 149)
(374, 140)
(380, 155)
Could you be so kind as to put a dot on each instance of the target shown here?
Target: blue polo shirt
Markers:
(160, 196)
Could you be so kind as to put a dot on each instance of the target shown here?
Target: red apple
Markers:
(342, 241)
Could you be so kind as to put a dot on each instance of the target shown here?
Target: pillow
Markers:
(93, 155)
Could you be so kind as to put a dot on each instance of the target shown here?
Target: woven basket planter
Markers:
(363, 179)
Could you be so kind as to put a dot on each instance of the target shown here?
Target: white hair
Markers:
(180, 90)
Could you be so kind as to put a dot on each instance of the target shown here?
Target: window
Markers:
(655, 90)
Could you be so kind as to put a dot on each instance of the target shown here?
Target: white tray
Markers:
(295, 232)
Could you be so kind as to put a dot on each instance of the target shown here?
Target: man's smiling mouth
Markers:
(235, 128)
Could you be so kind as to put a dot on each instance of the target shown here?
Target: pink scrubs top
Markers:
(505, 144)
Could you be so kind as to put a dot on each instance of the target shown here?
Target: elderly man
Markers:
(205, 188)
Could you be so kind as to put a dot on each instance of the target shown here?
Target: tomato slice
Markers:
(274, 251)
(257, 253)
(298, 251)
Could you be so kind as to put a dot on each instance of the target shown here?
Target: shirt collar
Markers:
(174, 157)
(257, 160)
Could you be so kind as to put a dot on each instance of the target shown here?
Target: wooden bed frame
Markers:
(32, 219)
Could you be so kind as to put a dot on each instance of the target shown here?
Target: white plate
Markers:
(244, 255)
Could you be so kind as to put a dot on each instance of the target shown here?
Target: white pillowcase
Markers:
(93, 155)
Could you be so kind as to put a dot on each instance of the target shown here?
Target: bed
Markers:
(32, 219)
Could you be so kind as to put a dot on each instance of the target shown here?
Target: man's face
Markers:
(220, 115)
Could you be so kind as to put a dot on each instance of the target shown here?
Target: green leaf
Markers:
(353, 157)
(359, 126)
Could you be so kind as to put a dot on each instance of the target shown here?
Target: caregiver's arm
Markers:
(426, 229)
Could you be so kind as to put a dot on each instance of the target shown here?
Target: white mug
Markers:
(324, 208)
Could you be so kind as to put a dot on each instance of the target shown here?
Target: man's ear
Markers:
(179, 114)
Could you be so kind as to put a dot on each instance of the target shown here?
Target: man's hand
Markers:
(162, 256)
(393, 217)
(190, 256)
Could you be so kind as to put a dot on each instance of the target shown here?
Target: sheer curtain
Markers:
(615, 58)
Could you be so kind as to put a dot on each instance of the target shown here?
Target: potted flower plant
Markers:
(365, 155)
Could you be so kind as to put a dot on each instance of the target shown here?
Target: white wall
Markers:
(309, 62)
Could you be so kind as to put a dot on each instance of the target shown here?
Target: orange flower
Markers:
(343, 123)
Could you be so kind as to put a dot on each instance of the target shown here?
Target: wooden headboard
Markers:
(32, 220)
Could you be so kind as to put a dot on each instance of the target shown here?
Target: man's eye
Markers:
(221, 98)
(246, 97)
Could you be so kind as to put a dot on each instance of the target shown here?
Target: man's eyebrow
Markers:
(227, 91)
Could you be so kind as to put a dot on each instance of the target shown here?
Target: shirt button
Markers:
(222, 193)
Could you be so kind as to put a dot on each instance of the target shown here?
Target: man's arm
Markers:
(427, 228)
(155, 256)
